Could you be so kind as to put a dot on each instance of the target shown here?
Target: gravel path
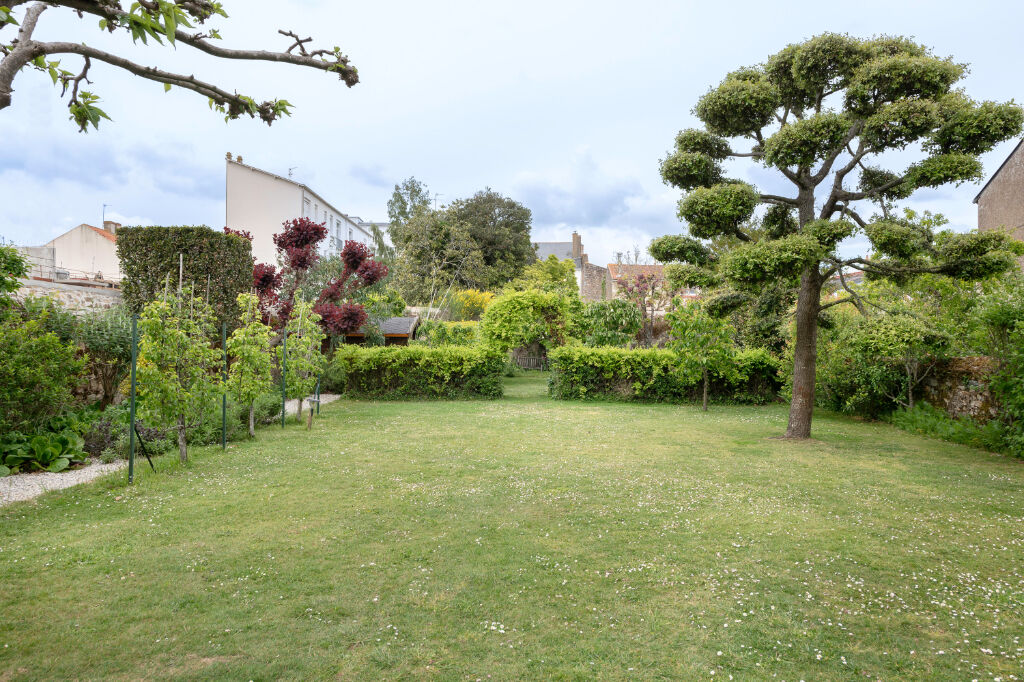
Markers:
(26, 486)
(325, 398)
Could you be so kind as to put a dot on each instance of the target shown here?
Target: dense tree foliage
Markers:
(822, 114)
(248, 349)
(500, 228)
(13, 266)
(551, 275)
(703, 343)
(611, 323)
(523, 318)
(157, 20)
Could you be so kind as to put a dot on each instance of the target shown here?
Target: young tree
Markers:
(651, 293)
(819, 113)
(703, 343)
(410, 197)
(249, 375)
(107, 337)
(304, 361)
(335, 294)
(159, 20)
(177, 374)
(550, 275)
(13, 266)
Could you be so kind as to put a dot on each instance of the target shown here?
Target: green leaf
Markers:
(103, 24)
(58, 465)
(167, 87)
(4, 471)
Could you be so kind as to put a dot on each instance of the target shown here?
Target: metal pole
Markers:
(284, 370)
(131, 403)
(318, 397)
(224, 398)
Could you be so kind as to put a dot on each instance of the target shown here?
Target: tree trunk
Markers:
(801, 407)
(182, 446)
(252, 420)
(705, 389)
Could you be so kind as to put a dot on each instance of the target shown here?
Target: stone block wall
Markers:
(596, 283)
(960, 387)
(77, 299)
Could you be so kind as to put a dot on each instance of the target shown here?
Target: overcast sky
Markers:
(565, 106)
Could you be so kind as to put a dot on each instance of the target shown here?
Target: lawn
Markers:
(528, 538)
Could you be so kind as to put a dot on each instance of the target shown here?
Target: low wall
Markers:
(960, 387)
(77, 299)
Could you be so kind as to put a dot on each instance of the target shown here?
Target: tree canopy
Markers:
(173, 21)
(822, 114)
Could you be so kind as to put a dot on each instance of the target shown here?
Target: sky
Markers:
(564, 106)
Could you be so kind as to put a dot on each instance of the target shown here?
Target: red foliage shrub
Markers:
(340, 319)
(244, 234)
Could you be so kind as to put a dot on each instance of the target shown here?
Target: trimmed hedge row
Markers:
(399, 372)
(580, 373)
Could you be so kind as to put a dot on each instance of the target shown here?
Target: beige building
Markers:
(259, 202)
(1001, 201)
(83, 252)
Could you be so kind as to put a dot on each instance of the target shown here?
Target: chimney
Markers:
(229, 156)
(111, 227)
(577, 245)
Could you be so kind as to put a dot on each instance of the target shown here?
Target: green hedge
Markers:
(578, 373)
(149, 259)
(441, 333)
(397, 372)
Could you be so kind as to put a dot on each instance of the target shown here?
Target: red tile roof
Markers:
(102, 233)
(621, 270)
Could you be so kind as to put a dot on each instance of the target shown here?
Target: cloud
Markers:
(373, 175)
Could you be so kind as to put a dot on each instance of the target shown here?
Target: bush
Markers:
(654, 375)
(439, 333)
(469, 304)
(522, 318)
(397, 372)
(51, 452)
(107, 337)
(38, 374)
(931, 421)
(149, 261)
(611, 323)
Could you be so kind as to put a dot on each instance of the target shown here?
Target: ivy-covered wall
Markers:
(217, 265)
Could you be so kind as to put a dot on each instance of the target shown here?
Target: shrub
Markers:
(38, 374)
(654, 375)
(149, 262)
(469, 304)
(611, 323)
(522, 318)
(51, 452)
(13, 266)
(440, 333)
(398, 372)
(931, 421)
(107, 338)
(304, 362)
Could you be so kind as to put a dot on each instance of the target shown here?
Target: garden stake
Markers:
(131, 403)
(309, 424)
(318, 397)
(284, 370)
(224, 398)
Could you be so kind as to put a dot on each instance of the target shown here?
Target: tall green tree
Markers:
(550, 275)
(178, 374)
(703, 344)
(822, 115)
(409, 198)
(157, 20)
(248, 348)
(305, 361)
(500, 227)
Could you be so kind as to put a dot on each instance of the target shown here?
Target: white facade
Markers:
(87, 252)
(260, 202)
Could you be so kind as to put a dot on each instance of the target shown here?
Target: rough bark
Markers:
(182, 446)
(252, 420)
(705, 403)
(801, 407)
(298, 412)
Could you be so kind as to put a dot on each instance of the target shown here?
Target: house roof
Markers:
(621, 270)
(1001, 166)
(103, 233)
(562, 250)
(394, 326)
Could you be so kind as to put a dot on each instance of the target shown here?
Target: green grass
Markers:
(526, 538)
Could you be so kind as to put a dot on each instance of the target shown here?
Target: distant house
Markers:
(84, 252)
(1001, 200)
(397, 331)
(592, 280)
(621, 272)
(258, 201)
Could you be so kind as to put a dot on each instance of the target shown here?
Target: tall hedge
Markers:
(399, 372)
(149, 258)
(653, 375)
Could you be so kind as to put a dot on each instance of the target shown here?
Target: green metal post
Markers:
(318, 397)
(284, 371)
(224, 398)
(131, 402)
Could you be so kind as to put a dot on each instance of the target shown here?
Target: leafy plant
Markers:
(13, 266)
(177, 368)
(53, 452)
(249, 375)
(703, 344)
(522, 318)
(469, 304)
(107, 337)
(440, 333)
(611, 323)
(400, 372)
(304, 362)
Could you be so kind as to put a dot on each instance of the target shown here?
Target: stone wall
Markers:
(77, 299)
(959, 386)
(596, 283)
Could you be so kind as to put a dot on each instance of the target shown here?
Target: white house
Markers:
(259, 202)
(83, 252)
